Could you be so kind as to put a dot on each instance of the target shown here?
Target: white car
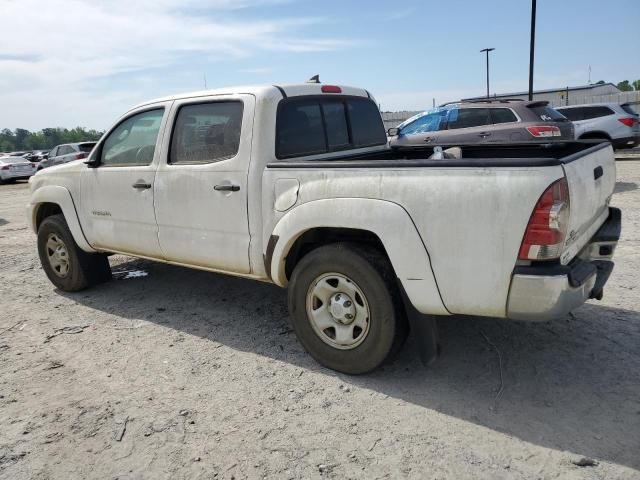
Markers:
(296, 185)
(614, 122)
(15, 168)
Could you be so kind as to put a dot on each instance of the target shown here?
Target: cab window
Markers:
(206, 133)
(133, 141)
(502, 115)
(468, 117)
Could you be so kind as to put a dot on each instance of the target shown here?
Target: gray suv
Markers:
(481, 122)
(66, 153)
(615, 122)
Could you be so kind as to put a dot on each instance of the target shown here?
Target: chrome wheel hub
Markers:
(342, 308)
(58, 255)
(338, 311)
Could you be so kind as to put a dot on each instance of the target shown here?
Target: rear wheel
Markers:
(345, 308)
(67, 266)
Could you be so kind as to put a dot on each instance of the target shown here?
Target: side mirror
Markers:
(93, 161)
(393, 132)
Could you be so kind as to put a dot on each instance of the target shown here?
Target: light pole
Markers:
(532, 47)
(487, 50)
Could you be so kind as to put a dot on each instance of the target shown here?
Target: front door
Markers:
(201, 184)
(117, 193)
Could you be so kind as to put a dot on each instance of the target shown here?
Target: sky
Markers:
(71, 63)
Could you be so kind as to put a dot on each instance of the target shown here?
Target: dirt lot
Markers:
(186, 374)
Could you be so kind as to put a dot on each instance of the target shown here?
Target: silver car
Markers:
(66, 153)
(615, 122)
(15, 168)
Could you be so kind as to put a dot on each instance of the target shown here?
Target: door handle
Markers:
(484, 134)
(140, 185)
(227, 188)
(597, 172)
(428, 139)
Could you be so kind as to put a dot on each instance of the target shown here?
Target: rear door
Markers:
(505, 126)
(467, 125)
(201, 184)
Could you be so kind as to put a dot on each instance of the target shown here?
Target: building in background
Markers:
(597, 92)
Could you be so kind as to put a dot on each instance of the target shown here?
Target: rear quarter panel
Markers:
(471, 220)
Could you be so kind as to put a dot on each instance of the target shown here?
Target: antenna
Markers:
(589, 75)
(314, 79)
(205, 80)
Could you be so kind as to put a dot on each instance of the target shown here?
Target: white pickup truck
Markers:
(296, 185)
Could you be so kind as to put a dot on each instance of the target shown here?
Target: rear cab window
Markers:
(316, 125)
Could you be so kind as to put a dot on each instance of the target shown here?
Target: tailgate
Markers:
(591, 175)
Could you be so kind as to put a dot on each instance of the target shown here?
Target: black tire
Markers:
(84, 269)
(372, 273)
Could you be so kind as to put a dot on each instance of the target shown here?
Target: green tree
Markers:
(636, 84)
(47, 138)
(624, 86)
(21, 136)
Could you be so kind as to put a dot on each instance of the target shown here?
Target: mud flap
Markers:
(424, 329)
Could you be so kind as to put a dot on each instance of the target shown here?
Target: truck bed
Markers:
(494, 155)
(471, 213)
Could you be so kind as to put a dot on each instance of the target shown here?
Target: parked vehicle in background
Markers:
(15, 168)
(296, 185)
(615, 122)
(483, 121)
(35, 156)
(66, 153)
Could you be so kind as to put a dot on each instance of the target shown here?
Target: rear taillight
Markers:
(544, 131)
(628, 121)
(331, 89)
(6, 167)
(548, 224)
(80, 156)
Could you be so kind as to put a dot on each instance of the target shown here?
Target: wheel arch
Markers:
(595, 134)
(320, 222)
(53, 200)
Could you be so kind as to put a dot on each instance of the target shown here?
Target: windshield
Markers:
(429, 121)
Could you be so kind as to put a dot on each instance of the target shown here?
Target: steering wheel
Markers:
(145, 154)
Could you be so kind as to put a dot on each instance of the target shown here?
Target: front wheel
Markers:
(345, 308)
(68, 266)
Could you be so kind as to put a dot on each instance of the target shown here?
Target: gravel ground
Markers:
(167, 373)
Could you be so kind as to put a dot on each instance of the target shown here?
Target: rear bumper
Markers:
(541, 293)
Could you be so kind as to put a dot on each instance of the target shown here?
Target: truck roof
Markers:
(262, 91)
